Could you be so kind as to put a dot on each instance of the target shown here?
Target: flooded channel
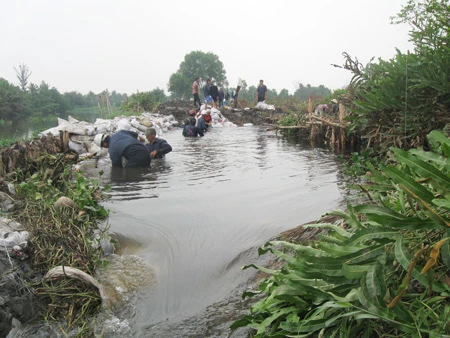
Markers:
(192, 220)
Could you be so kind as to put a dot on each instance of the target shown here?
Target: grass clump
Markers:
(67, 236)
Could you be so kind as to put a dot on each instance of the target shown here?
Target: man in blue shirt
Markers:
(156, 146)
(261, 91)
(124, 144)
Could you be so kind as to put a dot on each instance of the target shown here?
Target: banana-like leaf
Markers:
(375, 282)
(407, 181)
(308, 326)
(366, 235)
(269, 320)
(389, 218)
(422, 168)
(338, 250)
(428, 156)
(342, 233)
(355, 271)
(369, 253)
(437, 139)
(301, 249)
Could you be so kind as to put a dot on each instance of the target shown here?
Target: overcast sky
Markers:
(135, 45)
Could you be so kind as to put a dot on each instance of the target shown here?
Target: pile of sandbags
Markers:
(81, 133)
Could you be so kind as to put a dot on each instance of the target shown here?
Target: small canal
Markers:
(187, 225)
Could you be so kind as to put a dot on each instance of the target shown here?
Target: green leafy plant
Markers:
(380, 271)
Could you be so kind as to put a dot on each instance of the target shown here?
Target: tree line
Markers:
(44, 102)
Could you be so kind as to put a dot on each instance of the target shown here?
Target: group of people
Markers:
(212, 94)
(216, 96)
(127, 149)
(198, 123)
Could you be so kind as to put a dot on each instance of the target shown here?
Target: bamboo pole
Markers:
(328, 122)
(238, 88)
(342, 115)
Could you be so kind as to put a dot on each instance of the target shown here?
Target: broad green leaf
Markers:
(422, 168)
(375, 278)
(389, 218)
(301, 249)
(355, 271)
(400, 178)
(266, 322)
(342, 233)
(309, 326)
(429, 156)
(335, 250)
(365, 235)
(367, 254)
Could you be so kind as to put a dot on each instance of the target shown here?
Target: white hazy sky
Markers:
(135, 45)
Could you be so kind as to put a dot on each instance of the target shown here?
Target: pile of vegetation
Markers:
(381, 271)
(66, 235)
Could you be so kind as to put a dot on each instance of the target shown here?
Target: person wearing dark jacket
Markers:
(214, 93)
(124, 144)
(156, 146)
(221, 97)
(190, 130)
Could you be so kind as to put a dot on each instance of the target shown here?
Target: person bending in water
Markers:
(190, 130)
(158, 147)
(124, 144)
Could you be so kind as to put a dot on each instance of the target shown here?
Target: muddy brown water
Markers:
(187, 225)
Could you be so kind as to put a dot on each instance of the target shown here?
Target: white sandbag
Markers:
(104, 128)
(11, 234)
(91, 130)
(77, 146)
(92, 148)
(70, 119)
(101, 121)
(82, 138)
(62, 121)
(264, 106)
(123, 124)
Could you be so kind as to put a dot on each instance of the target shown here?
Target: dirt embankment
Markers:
(180, 110)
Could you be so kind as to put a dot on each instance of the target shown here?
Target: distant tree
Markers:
(304, 92)
(91, 99)
(23, 74)
(13, 103)
(157, 95)
(284, 94)
(196, 64)
(47, 102)
(117, 99)
(75, 99)
(139, 102)
(271, 93)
